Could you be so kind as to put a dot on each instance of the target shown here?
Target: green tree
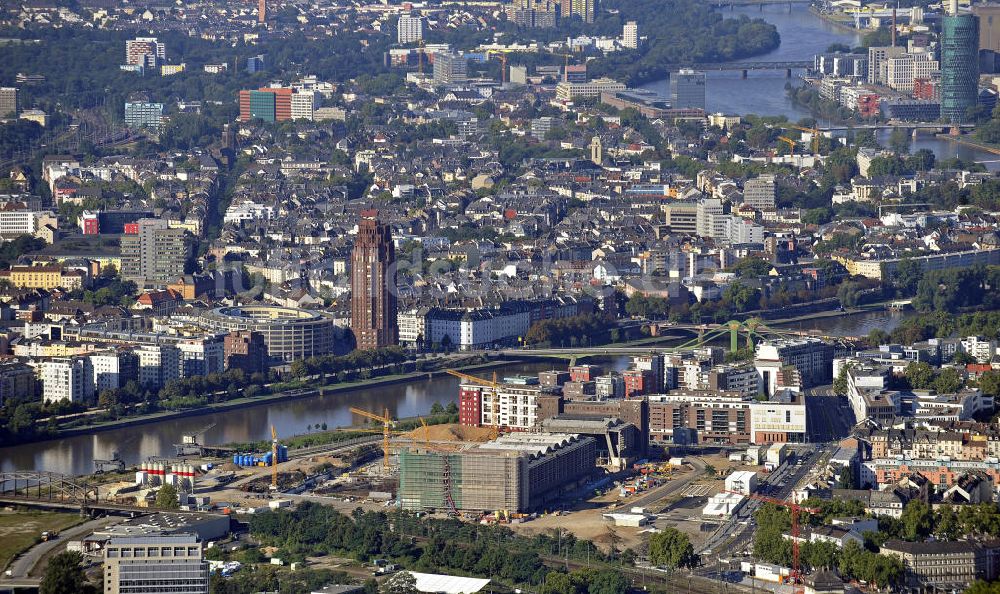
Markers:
(166, 497)
(557, 582)
(64, 575)
(989, 383)
(948, 381)
(909, 272)
(671, 548)
(840, 385)
(920, 375)
(917, 520)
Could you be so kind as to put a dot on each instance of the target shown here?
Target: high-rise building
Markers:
(167, 564)
(303, 105)
(142, 114)
(373, 284)
(68, 379)
(630, 35)
(271, 104)
(585, 9)
(959, 64)
(759, 192)
(687, 89)
(255, 64)
(877, 62)
(246, 350)
(409, 28)
(145, 51)
(156, 254)
(8, 101)
(539, 14)
(450, 68)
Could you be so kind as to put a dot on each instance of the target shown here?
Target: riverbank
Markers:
(962, 140)
(840, 24)
(240, 403)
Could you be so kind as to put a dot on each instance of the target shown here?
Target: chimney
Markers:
(893, 27)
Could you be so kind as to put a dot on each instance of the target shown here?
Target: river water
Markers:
(803, 35)
(75, 455)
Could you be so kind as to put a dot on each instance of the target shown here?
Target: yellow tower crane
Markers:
(791, 143)
(495, 431)
(813, 131)
(387, 424)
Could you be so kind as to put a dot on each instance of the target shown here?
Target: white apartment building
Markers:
(303, 105)
(901, 71)
(112, 370)
(630, 35)
(248, 210)
(979, 347)
(711, 218)
(409, 29)
(517, 402)
(158, 364)
(201, 356)
(67, 379)
(740, 230)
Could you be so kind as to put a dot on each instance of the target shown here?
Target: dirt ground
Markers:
(451, 432)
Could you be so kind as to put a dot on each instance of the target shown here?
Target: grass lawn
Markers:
(20, 530)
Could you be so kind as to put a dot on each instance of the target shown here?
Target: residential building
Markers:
(585, 9)
(246, 350)
(450, 68)
(142, 114)
(17, 380)
(687, 89)
(46, 277)
(781, 419)
(812, 357)
(67, 379)
(713, 417)
(147, 52)
(711, 219)
(759, 192)
(877, 57)
(409, 28)
(303, 105)
(255, 64)
(163, 563)
(373, 284)
(630, 35)
(156, 254)
(158, 364)
(113, 369)
(8, 102)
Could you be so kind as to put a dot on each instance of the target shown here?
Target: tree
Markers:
(948, 381)
(64, 575)
(400, 583)
(899, 141)
(909, 272)
(671, 548)
(166, 497)
(557, 582)
(989, 383)
(917, 520)
(877, 337)
(920, 375)
(840, 384)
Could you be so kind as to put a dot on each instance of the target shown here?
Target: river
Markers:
(803, 35)
(75, 455)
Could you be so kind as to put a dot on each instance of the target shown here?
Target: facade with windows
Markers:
(166, 564)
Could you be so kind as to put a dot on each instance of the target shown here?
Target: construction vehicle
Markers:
(189, 445)
(795, 576)
(387, 424)
(495, 430)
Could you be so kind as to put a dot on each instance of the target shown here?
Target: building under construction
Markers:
(515, 473)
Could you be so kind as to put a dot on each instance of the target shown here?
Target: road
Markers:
(829, 416)
(24, 564)
(736, 533)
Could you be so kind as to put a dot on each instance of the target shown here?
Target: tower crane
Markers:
(274, 459)
(791, 143)
(495, 430)
(813, 131)
(387, 425)
(795, 509)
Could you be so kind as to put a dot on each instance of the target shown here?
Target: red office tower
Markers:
(373, 285)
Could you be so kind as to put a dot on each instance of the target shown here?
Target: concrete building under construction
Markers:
(515, 473)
